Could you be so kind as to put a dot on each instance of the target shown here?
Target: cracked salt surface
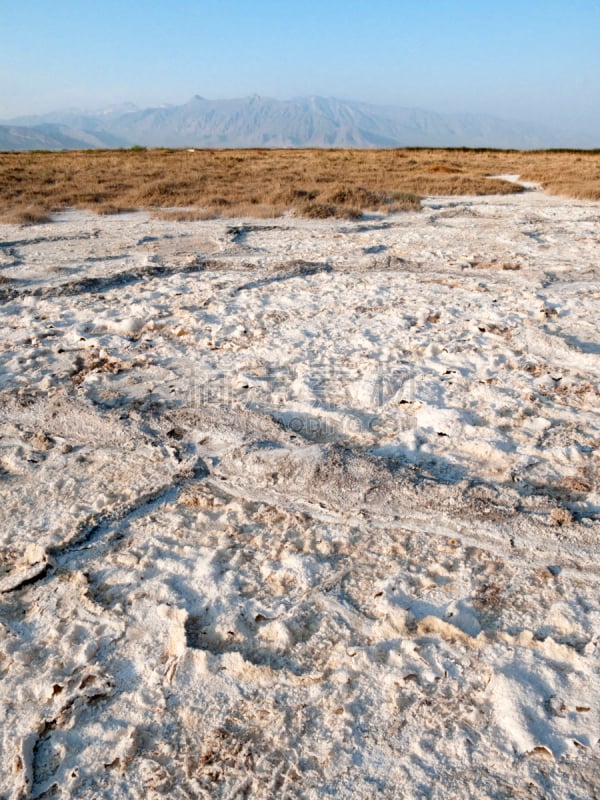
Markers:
(302, 509)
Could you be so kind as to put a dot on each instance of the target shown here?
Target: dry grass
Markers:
(570, 174)
(28, 215)
(261, 183)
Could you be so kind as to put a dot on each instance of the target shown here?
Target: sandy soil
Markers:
(298, 509)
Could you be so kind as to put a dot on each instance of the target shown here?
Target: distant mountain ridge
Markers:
(48, 136)
(264, 122)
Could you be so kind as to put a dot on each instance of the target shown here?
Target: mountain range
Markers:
(264, 122)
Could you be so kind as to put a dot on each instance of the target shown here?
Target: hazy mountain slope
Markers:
(54, 137)
(88, 120)
(415, 127)
(316, 122)
(302, 122)
(253, 121)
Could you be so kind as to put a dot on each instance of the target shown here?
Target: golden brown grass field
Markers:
(183, 184)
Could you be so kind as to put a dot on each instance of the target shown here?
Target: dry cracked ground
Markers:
(302, 509)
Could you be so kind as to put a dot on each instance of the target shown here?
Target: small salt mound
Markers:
(125, 326)
(443, 421)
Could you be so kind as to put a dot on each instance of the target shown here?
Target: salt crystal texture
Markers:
(308, 512)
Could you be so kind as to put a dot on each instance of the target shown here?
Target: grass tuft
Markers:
(30, 215)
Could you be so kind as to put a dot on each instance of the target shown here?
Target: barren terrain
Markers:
(302, 508)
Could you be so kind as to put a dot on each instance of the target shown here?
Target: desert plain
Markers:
(300, 485)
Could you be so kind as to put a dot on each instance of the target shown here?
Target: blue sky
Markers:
(526, 60)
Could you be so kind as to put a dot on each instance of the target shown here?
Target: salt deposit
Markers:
(300, 508)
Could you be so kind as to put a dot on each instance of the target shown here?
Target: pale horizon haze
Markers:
(531, 61)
